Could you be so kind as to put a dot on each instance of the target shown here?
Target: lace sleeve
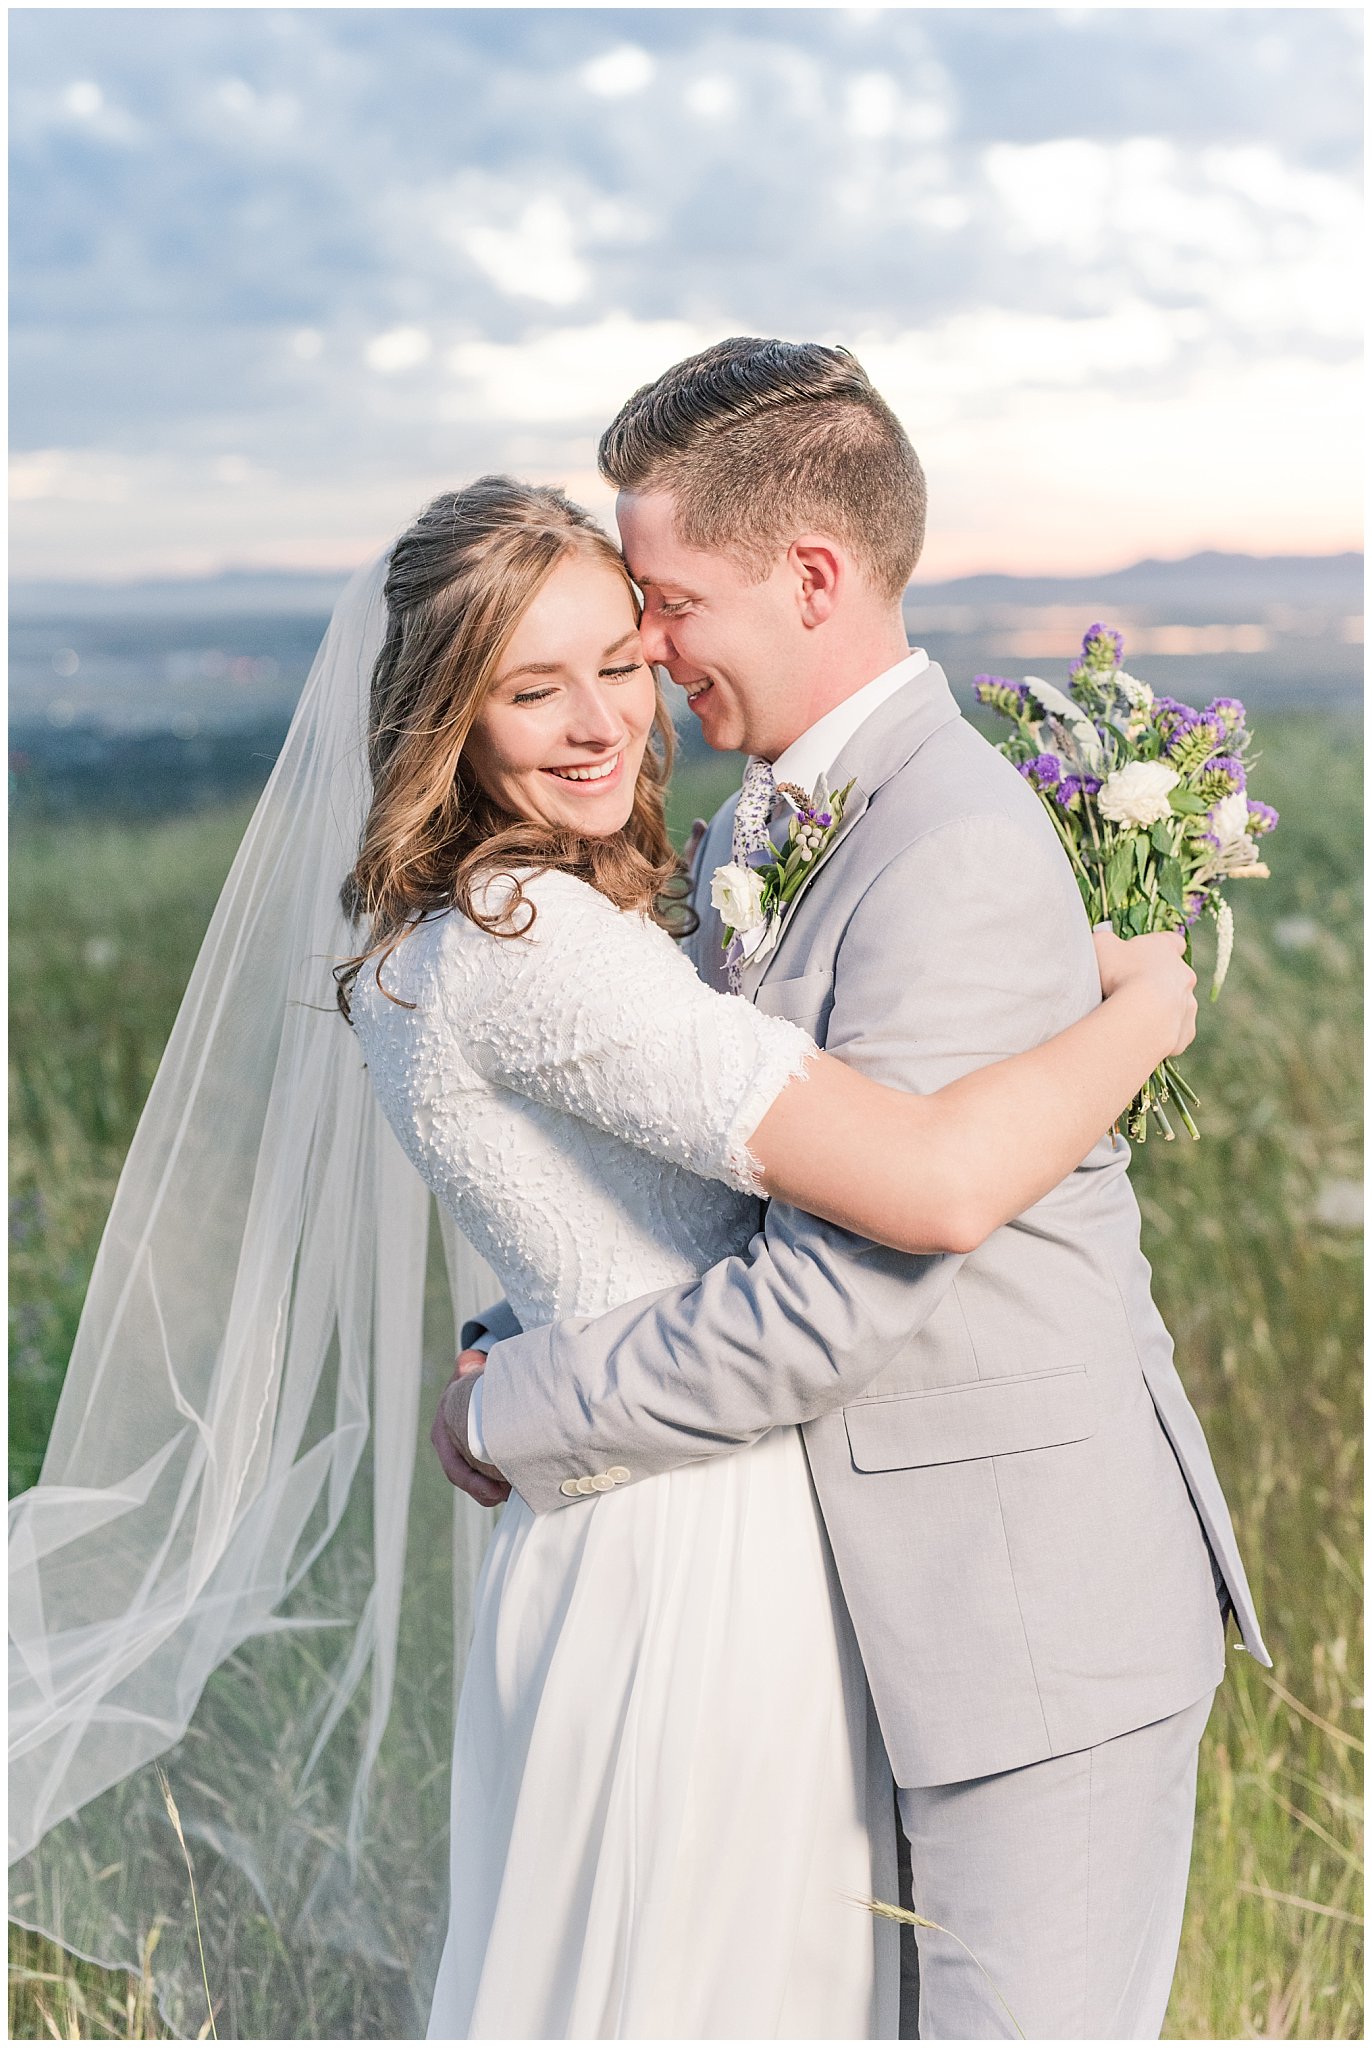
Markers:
(598, 1013)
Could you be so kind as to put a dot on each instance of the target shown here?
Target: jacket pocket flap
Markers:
(801, 999)
(976, 1419)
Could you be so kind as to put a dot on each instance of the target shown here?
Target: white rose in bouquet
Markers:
(1237, 852)
(736, 893)
(1138, 794)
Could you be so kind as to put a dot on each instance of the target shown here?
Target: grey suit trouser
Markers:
(1066, 1880)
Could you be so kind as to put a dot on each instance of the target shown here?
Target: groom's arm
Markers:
(969, 947)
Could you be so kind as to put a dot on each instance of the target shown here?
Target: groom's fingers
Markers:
(488, 1493)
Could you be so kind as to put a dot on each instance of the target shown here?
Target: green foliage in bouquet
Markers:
(1150, 799)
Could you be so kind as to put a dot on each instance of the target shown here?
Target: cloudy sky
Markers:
(280, 274)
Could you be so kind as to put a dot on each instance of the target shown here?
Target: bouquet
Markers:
(1150, 800)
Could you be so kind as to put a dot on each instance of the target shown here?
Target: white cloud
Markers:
(619, 73)
(945, 212)
(1257, 172)
(713, 96)
(83, 98)
(263, 113)
(79, 476)
(1265, 246)
(87, 105)
(535, 257)
(991, 359)
(569, 376)
(1053, 192)
(871, 105)
(927, 120)
(399, 348)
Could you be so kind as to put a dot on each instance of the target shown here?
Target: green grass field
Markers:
(1257, 1262)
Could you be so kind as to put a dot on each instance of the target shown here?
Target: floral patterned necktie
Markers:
(752, 829)
(753, 816)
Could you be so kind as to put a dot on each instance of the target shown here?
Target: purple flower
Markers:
(1102, 644)
(1073, 788)
(1224, 776)
(1195, 904)
(1261, 818)
(1011, 699)
(1044, 771)
(824, 819)
(1193, 740)
(1229, 712)
(1168, 715)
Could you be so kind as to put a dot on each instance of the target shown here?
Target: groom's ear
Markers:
(821, 570)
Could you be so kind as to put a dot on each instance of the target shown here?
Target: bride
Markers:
(668, 1799)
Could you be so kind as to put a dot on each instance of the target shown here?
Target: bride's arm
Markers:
(940, 1172)
(598, 1017)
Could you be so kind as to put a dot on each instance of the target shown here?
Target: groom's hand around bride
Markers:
(449, 1437)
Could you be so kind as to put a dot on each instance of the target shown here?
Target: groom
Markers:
(1028, 1528)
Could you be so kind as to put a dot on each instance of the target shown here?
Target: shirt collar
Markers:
(815, 752)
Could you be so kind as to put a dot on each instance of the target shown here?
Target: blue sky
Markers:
(280, 274)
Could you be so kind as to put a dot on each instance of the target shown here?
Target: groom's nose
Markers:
(657, 641)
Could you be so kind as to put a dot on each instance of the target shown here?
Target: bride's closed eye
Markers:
(537, 696)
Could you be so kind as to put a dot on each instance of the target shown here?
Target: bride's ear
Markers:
(820, 569)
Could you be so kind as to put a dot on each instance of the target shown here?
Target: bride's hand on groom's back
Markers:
(1158, 960)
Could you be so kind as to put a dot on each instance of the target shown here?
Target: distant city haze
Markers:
(281, 275)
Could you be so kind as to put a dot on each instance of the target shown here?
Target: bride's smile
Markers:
(560, 736)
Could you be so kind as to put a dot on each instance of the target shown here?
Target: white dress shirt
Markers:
(803, 762)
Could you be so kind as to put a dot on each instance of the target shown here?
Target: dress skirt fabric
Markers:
(670, 1801)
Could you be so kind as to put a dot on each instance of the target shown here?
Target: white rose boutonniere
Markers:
(736, 893)
(753, 901)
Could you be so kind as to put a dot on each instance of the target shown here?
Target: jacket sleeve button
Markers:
(568, 1486)
(617, 1474)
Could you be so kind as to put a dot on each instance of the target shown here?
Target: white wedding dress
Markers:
(669, 1800)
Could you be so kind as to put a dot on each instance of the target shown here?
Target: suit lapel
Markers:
(879, 749)
(855, 804)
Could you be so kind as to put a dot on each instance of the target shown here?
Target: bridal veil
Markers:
(233, 1566)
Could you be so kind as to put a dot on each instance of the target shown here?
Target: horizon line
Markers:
(317, 571)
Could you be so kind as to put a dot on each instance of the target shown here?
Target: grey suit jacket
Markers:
(1018, 1493)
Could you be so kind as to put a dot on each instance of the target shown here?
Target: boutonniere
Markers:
(753, 900)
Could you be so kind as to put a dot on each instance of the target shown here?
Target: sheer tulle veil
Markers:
(234, 1566)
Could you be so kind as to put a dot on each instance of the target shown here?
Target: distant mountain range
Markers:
(1223, 585)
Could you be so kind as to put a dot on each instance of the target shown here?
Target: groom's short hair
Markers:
(758, 441)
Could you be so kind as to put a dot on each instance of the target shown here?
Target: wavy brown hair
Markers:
(460, 580)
